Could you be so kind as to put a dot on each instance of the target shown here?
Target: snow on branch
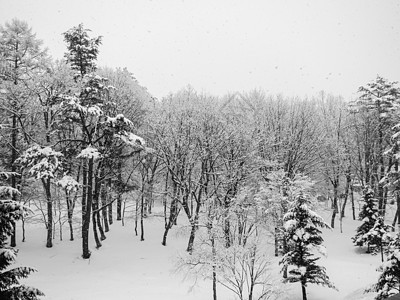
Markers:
(90, 152)
(118, 121)
(42, 161)
(69, 184)
(131, 139)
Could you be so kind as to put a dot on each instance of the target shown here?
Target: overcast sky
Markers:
(290, 47)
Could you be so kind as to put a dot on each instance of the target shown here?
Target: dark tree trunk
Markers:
(46, 186)
(398, 212)
(69, 213)
(334, 205)
(87, 214)
(98, 188)
(352, 201)
(96, 213)
(303, 291)
(84, 191)
(119, 200)
(142, 214)
(173, 214)
(103, 196)
(110, 207)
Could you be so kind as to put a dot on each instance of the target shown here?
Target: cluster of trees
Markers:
(239, 169)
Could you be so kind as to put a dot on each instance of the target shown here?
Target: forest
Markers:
(242, 177)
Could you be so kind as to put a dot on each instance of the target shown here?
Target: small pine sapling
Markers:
(303, 236)
(368, 215)
(389, 280)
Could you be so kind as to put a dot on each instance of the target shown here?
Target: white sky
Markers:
(291, 47)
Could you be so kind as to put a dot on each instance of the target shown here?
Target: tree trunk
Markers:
(103, 195)
(119, 200)
(334, 205)
(352, 201)
(395, 219)
(191, 237)
(84, 192)
(173, 214)
(276, 241)
(142, 215)
(97, 194)
(96, 213)
(46, 187)
(303, 291)
(69, 213)
(398, 212)
(109, 200)
(381, 198)
(164, 240)
(14, 156)
(87, 213)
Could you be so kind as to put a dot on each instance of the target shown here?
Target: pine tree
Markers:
(389, 281)
(378, 235)
(82, 50)
(21, 55)
(368, 215)
(10, 212)
(303, 235)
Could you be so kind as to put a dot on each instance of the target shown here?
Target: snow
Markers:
(131, 139)
(89, 152)
(68, 183)
(125, 268)
(120, 118)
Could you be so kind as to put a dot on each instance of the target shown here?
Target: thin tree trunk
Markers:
(303, 291)
(103, 195)
(69, 212)
(46, 186)
(142, 215)
(14, 156)
(119, 200)
(398, 212)
(110, 207)
(23, 228)
(334, 205)
(352, 201)
(84, 192)
(96, 213)
(98, 187)
(173, 211)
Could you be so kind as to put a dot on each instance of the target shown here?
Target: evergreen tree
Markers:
(368, 215)
(379, 235)
(389, 281)
(82, 50)
(21, 55)
(303, 236)
(11, 211)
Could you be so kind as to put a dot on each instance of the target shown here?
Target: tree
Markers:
(82, 50)
(43, 163)
(301, 230)
(377, 102)
(10, 212)
(378, 235)
(21, 55)
(368, 215)
(389, 281)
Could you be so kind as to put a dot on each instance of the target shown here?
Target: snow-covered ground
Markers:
(126, 268)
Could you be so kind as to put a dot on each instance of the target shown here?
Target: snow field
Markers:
(125, 268)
